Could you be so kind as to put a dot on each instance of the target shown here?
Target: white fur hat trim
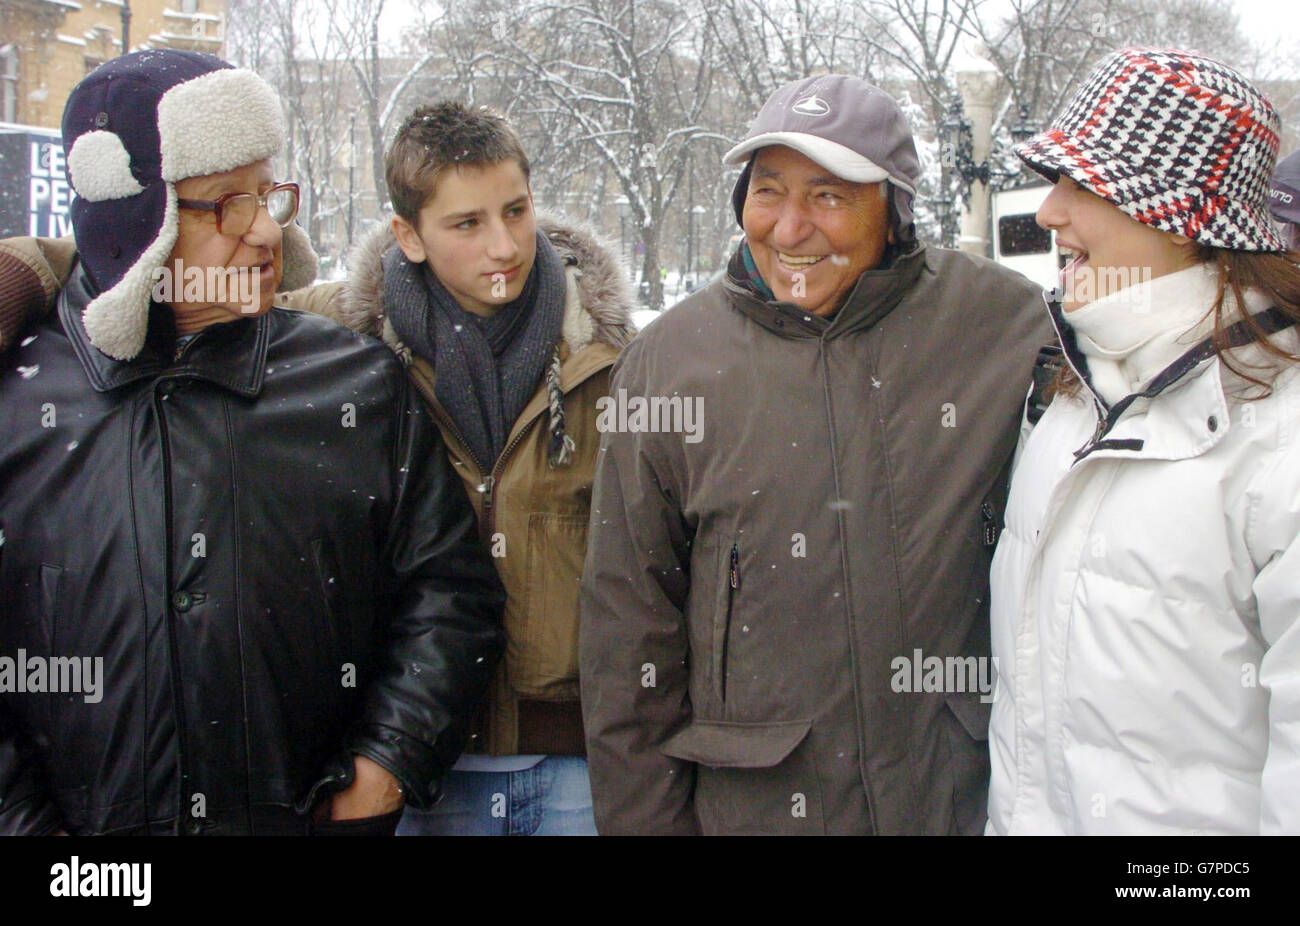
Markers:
(101, 167)
(225, 119)
(118, 319)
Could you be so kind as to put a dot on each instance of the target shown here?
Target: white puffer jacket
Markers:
(1146, 614)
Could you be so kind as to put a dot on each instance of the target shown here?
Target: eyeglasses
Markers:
(236, 212)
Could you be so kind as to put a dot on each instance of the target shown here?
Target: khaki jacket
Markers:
(533, 518)
(751, 594)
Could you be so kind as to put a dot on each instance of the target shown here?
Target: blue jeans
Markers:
(553, 798)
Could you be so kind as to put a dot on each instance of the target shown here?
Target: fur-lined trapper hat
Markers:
(134, 127)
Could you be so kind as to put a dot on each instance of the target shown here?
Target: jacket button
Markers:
(181, 601)
(1212, 423)
(101, 120)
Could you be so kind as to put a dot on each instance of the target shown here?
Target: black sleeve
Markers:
(442, 635)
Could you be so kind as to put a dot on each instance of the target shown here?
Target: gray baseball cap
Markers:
(1284, 197)
(854, 130)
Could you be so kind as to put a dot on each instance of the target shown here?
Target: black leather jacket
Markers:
(262, 538)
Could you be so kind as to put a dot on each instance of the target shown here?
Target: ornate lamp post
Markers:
(955, 137)
(692, 252)
(623, 204)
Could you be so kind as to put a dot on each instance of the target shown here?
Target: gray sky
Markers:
(1273, 24)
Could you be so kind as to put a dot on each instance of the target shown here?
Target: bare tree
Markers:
(625, 82)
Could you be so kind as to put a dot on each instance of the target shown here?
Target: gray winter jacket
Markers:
(760, 597)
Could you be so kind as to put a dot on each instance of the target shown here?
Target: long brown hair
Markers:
(1276, 274)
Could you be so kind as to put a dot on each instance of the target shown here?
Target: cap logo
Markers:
(812, 106)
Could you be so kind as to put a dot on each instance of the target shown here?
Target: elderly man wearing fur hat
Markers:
(242, 588)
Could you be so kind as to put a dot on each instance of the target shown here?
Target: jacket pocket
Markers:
(542, 648)
(51, 589)
(753, 777)
(729, 585)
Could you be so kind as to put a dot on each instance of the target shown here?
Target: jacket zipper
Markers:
(182, 745)
(487, 488)
(489, 484)
(733, 585)
(1098, 405)
(844, 572)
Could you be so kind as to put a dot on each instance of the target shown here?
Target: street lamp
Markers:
(352, 163)
(623, 204)
(955, 133)
(946, 215)
(692, 252)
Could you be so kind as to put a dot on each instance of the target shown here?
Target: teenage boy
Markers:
(510, 324)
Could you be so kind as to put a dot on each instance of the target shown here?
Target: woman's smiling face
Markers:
(1112, 250)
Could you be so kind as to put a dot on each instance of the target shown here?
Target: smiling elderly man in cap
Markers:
(785, 623)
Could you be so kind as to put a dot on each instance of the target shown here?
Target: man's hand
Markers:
(374, 792)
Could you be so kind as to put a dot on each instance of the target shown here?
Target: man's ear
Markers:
(408, 239)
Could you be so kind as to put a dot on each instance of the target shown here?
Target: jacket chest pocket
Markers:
(724, 604)
(39, 594)
(542, 640)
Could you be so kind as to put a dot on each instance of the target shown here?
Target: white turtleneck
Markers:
(1130, 335)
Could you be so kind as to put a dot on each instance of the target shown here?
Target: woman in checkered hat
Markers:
(1146, 592)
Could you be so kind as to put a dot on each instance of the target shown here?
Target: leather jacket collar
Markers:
(231, 355)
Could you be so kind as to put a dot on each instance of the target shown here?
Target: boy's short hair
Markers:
(444, 135)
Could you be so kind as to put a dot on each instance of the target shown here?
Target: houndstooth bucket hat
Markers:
(1176, 140)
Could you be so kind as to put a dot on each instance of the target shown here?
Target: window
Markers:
(8, 83)
(1020, 234)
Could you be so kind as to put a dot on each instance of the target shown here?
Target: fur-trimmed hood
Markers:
(598, 301)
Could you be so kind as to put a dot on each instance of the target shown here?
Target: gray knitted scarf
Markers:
(485, 369)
